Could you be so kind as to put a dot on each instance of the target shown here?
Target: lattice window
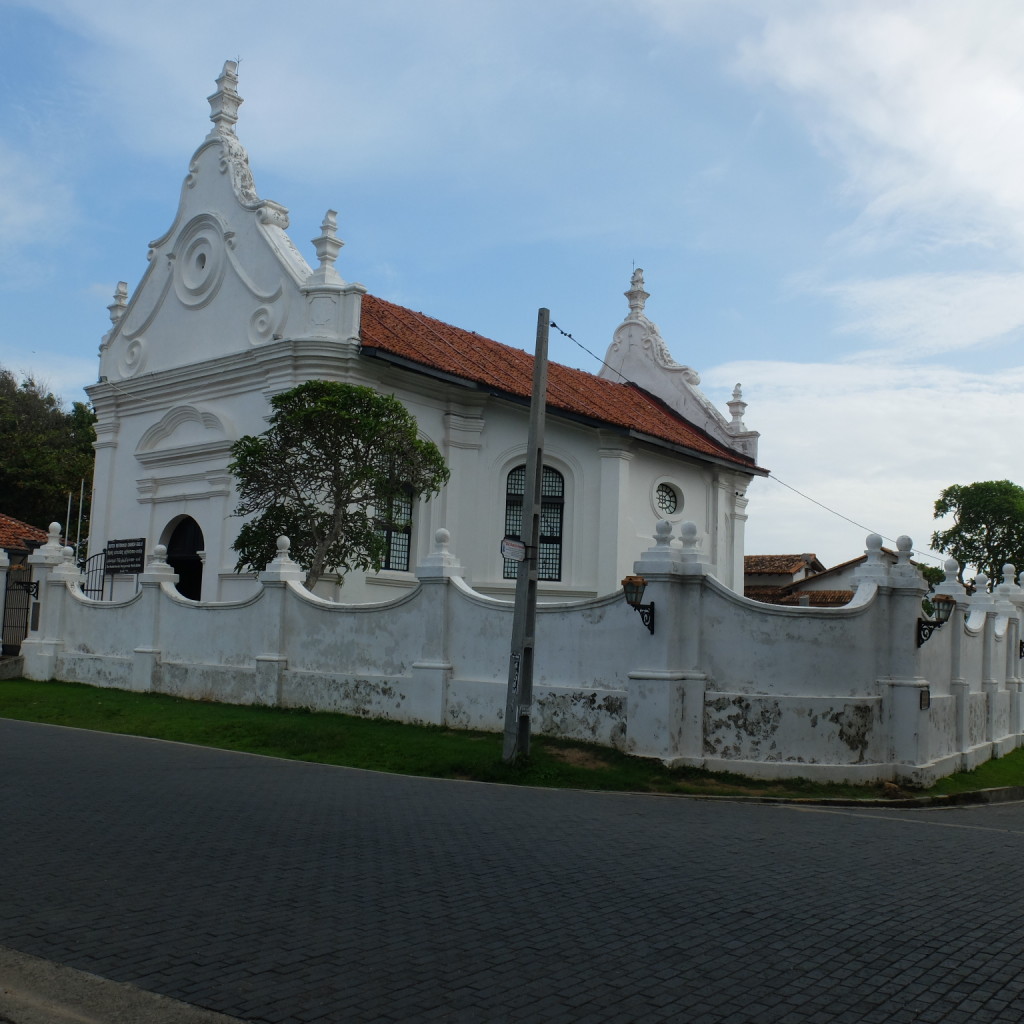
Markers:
(552, 509)
(396, 529)
(667, 500)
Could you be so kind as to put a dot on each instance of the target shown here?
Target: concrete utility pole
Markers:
(519, 700)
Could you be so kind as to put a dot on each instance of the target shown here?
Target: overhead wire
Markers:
(773, 476)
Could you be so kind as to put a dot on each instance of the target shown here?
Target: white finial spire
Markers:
(636, 295)
(737, 407)
(224, 103)
(120, 303)
(328, 245)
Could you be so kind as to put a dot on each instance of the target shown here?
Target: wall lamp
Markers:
(633, 587)
(942, 609)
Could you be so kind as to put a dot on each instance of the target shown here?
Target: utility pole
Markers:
(519, 699)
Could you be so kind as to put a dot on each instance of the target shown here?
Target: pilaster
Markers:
(612, 510)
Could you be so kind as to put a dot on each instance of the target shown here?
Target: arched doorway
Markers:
(183, 547)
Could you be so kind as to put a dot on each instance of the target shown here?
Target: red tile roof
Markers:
(777, 565)
(431, 343)
(782, 596)
(15, 535)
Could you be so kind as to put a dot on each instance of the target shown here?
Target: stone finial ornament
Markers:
(904, 569)
(874, 568)
(224, 103)
(636, 295)
(737, 407)
(120, 303)
(283, 567)
(328, 245)
(440, 562)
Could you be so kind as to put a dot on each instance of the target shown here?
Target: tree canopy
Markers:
(988, 527)
(45, 452)
(337, 461)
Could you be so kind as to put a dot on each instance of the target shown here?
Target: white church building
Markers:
(229, 313)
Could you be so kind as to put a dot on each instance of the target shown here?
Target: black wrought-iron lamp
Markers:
(633, 587)
(942, 609)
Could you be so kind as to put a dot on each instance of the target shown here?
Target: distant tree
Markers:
(335, 463)
(933, 574)
(988, 527)
(45, 452)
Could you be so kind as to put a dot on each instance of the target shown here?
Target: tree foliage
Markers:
(327, 474)
(45, 452)
(988, 527)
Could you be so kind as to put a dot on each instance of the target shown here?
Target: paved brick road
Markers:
(283, 892)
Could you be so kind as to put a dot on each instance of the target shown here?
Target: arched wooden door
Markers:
(183, 547)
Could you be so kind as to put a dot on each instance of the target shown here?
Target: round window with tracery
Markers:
(666, 499)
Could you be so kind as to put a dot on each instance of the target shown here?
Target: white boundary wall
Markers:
(723, 682)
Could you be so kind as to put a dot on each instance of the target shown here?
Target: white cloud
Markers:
(32, 204)
(874, 443)
(922, 102)
(929, 314)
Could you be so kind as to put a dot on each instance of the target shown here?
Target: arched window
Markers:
(552, 507)
(396, 529)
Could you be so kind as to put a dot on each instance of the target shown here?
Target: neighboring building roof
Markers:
(779, 565)
(791, 597)
(18, 536)
(432, 344)
(817, 598)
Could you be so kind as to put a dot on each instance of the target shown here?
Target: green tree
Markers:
(337, 459)
(45, 452)
(988, 526)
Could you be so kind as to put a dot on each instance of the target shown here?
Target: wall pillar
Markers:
(432, 671)
(146, 657)
(272, 663)
(5, 565)
(907, 692)
(665, 700)
(46, 611)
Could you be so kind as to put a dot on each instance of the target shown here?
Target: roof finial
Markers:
(224, 103)
(636, 294)
(328, 245)
(120, 303)
(737, 407)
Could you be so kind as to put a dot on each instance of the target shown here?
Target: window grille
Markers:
(396, 530)
(666, 499)
(552, 508)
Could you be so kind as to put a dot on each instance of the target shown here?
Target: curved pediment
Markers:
(185, 434)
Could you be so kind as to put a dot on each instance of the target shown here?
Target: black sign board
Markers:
(125, 556)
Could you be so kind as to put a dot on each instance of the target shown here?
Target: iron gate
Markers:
(18, 601)
(95, 578)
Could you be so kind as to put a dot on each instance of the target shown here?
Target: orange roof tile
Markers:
(15, 535)
(775, 565)
(422, 340)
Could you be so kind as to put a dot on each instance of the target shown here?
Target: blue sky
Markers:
(825, 198)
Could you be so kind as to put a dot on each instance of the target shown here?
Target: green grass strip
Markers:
(436, 751)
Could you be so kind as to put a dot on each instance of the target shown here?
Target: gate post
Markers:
(44, 642)
(5, 564)
(665, 703)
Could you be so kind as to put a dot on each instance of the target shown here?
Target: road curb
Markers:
(37, 991)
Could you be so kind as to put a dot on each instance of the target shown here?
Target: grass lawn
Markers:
(418, 750)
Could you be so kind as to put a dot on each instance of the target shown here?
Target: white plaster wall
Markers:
(759, 648)
(723, 682)
(803, 730)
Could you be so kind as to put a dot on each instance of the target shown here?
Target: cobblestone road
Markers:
(282, 892)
